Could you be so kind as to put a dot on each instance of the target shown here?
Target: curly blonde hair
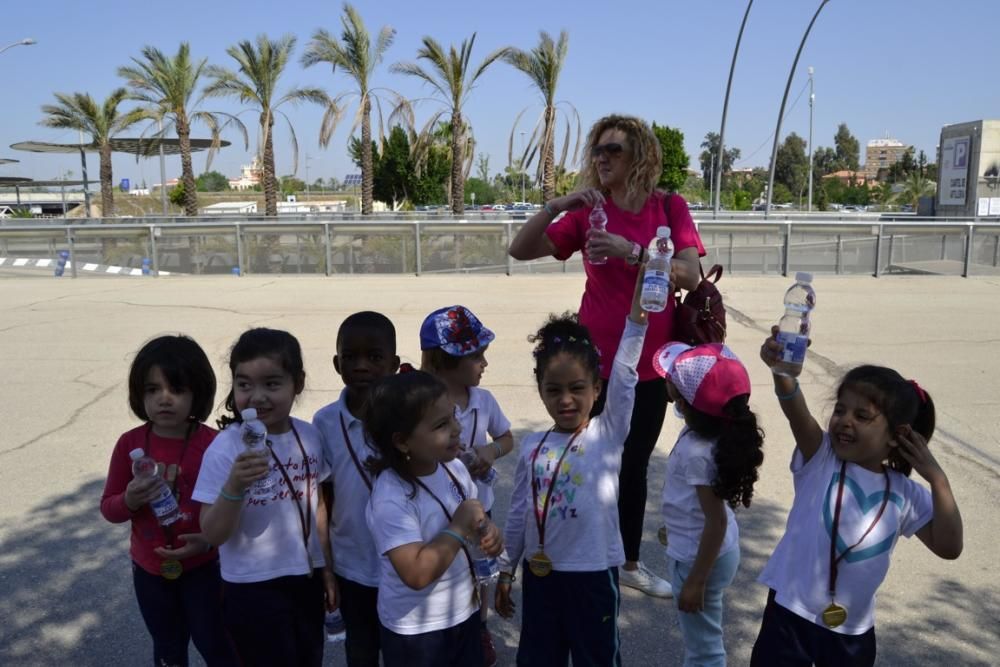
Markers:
(642, 145)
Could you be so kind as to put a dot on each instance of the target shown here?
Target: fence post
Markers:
(787, 248)
(944, 246)
(239, 249)
(328, 249)
(878, 252)
(840, 254)
(416, 240)
(969, 234)
(152, 251)
(996, 250)
(72, 251)
(509, 225)
(732, 242)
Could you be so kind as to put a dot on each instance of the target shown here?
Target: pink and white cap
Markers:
(707, 376)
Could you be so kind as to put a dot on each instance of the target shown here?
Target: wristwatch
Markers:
(635, 255)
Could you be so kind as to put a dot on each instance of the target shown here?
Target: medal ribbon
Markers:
(834, 558)
(305, 518)
(354, 456)
(461, 492)
(541, 520)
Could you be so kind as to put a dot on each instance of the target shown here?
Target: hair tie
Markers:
(920, 391)
(406, 367)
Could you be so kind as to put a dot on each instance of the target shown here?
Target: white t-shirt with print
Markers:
(268, 541)
(482, 414)
(354, 555)
(396, 519)
(799, 568)
(691, 463)
(581, 531)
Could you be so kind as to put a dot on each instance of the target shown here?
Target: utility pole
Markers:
(522, 168)
(812, 100)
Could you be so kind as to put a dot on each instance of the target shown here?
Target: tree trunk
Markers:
(187, 172)
(457, 153)
(270, 180)
(549, 155)
(367, 177)
(107, 194)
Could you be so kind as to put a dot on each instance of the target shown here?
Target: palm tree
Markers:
(167, 85)
(79, 111)
(355, 54)
(915, 187)
(453, 81)
(261, 64)
(543, 64)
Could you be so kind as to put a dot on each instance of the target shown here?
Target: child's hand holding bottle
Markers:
(248, 467)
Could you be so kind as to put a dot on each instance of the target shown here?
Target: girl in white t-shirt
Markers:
(453, 345)
(269, 547)
(710, 471)
(853, 499)
(563, 517)
(422, 514)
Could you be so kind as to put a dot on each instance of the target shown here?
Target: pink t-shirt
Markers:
(607, 296)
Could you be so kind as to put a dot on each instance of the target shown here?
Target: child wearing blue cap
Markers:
(453, 343)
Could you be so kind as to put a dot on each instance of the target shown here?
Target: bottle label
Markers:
(263, 487)
(655, 283)
(164, 504)
(794, 347)
(485, 568)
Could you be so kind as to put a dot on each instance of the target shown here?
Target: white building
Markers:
(251, 175)
(230, 207)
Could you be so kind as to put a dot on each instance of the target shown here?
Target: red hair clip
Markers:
(920, 391)
(406, 368)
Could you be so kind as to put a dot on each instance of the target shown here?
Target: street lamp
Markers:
(522, 167)
(812, 100)
(717, 179)
(27, 41)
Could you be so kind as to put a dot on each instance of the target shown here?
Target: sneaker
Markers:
(489, 651)
(643, 580)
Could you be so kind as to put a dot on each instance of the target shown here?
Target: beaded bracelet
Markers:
(452, 533)
(499, 448)
(550, 210)
(230, 497)
(790, 395)
(506, 578)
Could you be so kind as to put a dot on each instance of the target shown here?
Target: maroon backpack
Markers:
(700, 317)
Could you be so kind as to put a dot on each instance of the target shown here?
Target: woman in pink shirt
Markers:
(622, 170)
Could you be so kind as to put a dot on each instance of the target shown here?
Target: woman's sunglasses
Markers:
(611, 150)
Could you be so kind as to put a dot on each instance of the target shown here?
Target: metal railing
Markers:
(330, 245)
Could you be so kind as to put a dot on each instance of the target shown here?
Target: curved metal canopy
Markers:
(13, 181)
(145, 147)
(7, 160)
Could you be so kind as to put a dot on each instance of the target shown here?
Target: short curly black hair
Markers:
(183, 364)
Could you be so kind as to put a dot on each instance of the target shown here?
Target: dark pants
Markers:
(458, 646)
(647, 421)
(570, 614)
(278, 621)
(183, 609)
(788, 640)
(359, 607)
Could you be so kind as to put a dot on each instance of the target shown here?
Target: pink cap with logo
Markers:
(707, 376)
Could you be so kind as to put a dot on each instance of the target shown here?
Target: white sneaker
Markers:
(643, 580)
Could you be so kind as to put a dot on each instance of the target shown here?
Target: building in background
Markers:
(882, 154)
(969, 170)
(251, 176)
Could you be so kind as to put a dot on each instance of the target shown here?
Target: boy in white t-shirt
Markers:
(453, 343)
(366, 352)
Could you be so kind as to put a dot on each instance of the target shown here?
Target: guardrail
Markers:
(852, 244)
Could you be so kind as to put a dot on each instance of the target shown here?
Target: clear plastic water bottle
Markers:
(656, 282)
(164, 505)
(335, 630)
(470, 459)
(793, 329)
(253, 433)
(485, 567)
(598, 222)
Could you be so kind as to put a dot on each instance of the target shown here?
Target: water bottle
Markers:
(793, 329)
(164, 505)
(470, 459)
(485, 567)
(335, 631)
(656, 282)
(598, 222)
(253, 433)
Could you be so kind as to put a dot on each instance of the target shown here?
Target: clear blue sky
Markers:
(905, 67)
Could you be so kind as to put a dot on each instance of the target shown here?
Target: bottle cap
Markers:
(249, 414)
(803, 277)
(663, 232)
(136, 454)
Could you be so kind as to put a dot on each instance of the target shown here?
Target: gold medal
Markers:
(171, 569)
(540, 564)
(661, 535)
(834, 615)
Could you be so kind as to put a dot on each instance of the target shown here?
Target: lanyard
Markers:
(475, 428)
(541, 520)
(354, 456)
(305, 518)
(834, 558)
(174, 486)
(447, 514)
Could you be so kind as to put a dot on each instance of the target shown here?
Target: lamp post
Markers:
(812, 100)
(725, 107)
(522, 167)
(781, 111)
(27, 41)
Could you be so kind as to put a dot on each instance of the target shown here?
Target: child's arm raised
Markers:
(943, 533)
(420, 564)
(692, 596)
(805, 429)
